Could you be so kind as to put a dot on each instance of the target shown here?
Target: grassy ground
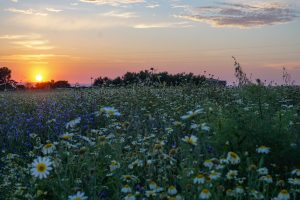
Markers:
(151, 143)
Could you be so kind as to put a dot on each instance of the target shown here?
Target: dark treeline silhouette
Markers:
(52, 85)
(150, 78)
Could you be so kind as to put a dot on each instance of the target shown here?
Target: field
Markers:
(151, 143)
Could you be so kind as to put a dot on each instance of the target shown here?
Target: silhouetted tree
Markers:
(150, 78)
(5, 81)
(61, 84)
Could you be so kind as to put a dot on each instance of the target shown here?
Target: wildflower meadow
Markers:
(183, 142)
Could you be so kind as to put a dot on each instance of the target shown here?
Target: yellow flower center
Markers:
(233, 155)
(67, 137)
(47, 146)
(77, 198)
(206, 191)
(41, 167)
(200, 176)
(284, 192)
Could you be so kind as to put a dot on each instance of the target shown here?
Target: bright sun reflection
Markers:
(39, 77)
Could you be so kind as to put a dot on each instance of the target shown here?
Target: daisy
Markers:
(214, 175)
(67, 136)
(41, 167)
(239, 190)
(114, 165)
(111, 111)
(205, 194)
(232, 174)
(172, 190)
(263, 171)
(150, 193)
(263, 150)
(294, 181)
(73, 123)
(266, 179)
(78, 196)
(129, 197)
(191, 114)
(48, 148)
(190, 140)
(208, 163)
(296, 172)
(283, 195)
(199, 179)
(233, 158)
(126, 189)
(152, 185)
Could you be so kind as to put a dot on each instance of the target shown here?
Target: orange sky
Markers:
(78, 39)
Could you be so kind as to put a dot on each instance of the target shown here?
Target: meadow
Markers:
(183, 142)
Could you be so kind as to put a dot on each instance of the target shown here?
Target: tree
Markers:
(61, 84)
(5, 74)
(5, 82)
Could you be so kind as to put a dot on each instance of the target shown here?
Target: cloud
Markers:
(53, 10)
(163, 25)
(17, 37)
(15, 1)
(35, 44)
(26, 12)
(118, 14)
(242, 15)
(32, 41)
(154, 5)
(113, 2)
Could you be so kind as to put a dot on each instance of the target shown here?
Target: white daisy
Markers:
(110, 111)
(129, 197)
(263, 150)
(283, 195)
(126, 189)
(263, 171)
(233, 158)
(114, 165)
(78, 196)
(172, 190)
(205, 194)
(296, 172)
(73, 123)
(199, 179)
(48, 148)
(190, 140)
(41, 167)
(232, 174)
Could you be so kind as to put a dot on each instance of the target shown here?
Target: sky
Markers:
(75, 40)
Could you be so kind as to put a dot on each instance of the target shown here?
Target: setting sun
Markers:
(39, 77)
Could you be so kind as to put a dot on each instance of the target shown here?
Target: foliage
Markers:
(150, 78)
(152, 143)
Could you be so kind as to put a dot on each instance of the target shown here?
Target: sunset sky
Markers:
(77, 39)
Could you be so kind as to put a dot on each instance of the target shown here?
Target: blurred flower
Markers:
(205, 194)
(199, 179)
(233, 158)
(126, 189)
(172, 190)
(114, 165)
(78, 196)
(263, 150)
(73, 123)
(110, 111)
(283, 195)
(48, 148)
(190, 140)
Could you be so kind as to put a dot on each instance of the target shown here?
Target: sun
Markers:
(38, 77)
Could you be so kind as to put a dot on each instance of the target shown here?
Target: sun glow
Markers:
(38, 77)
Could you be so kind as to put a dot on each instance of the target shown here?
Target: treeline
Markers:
(150, 78)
